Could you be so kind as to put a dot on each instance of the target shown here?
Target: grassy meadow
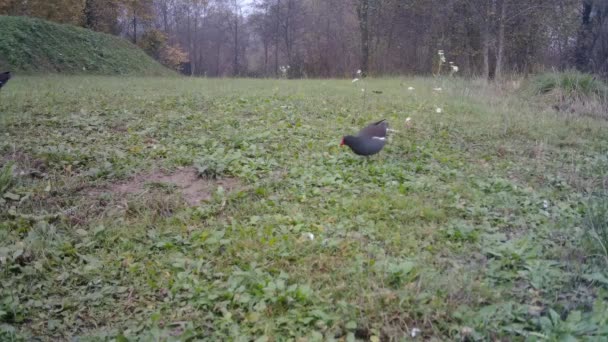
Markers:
(483, 219)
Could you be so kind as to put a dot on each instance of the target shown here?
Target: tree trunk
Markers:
(165, 12)
(286, 33)
(89, 15)
(235, 66)
(487, 37)
(276, 39)
(134, 29)
(501, 41)
(486, 48)
(190, 52)
(219, 54)
(363, 14)
(584, 41)
(265, 41)
(265, 57)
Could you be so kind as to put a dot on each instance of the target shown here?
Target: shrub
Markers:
(155, 44)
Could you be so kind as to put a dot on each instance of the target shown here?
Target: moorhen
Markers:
(370, 140)
(4, 77)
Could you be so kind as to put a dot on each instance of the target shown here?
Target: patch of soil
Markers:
(192, 187)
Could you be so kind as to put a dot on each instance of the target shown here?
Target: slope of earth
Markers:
(35, 46)
(473, 222)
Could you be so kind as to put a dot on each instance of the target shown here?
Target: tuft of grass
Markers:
(570, 83)
(6, 177)
(596, 225)
(30, 45)
(571, 91)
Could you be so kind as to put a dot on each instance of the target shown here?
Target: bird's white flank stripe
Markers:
(379, 138)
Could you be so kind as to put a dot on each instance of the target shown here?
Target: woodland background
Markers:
(334, 38)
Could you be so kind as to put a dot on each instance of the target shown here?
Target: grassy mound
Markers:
(572, 92)
(38, 46)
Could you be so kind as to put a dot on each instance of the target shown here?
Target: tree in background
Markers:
(592, 44)
(329, 38)
(102, 15)
(139, 13)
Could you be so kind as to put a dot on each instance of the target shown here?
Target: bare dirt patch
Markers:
(192, 187)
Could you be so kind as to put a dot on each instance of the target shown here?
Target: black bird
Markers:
(370, 140)
(4, 77)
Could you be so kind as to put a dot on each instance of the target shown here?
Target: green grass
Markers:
(37, 46)
(471, 223)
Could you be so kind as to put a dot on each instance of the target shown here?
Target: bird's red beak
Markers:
(342, 142)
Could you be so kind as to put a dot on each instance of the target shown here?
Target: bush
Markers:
(155, 44)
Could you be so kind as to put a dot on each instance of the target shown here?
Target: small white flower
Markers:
(545, 204)
(466, 331)
(410, 88)
(454, 68)
(359, 72)
(362, 90)
(440, 53)
(310, 236)
(438, 110)
(415, 332)
(437, 89)
(355, 80)
(408, 119)
(442, 58)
